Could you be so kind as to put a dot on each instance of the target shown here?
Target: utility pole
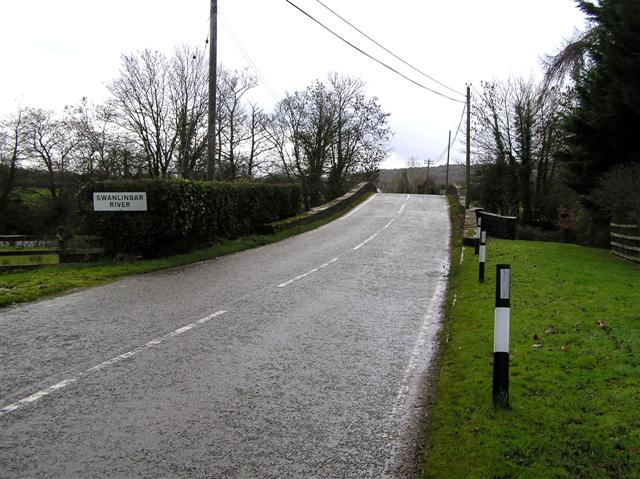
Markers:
(426, 186)
(446, 181)
(213, 46)
(468, 182)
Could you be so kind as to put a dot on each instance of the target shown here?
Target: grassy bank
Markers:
(24, 286)
(575, 368)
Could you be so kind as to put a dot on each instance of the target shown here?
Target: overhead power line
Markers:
(247, 57)
(444, 152)
(370, 56)
(389, 51)
(464, 108)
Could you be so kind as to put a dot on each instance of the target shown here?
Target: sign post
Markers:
(483, 253)
(501, 336)
(478, 228)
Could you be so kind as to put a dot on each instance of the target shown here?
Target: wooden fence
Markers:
(625, 241)
(76, 249)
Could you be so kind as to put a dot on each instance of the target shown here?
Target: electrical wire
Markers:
(247, 57)
(455, 137)
(370, 56)
(389, 51)
(464, 109)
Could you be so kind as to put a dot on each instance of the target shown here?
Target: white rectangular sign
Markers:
(119, 201)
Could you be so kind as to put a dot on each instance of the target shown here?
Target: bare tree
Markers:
(517, 135)
(317, 138)
(52, 144)
(189, 95)
(12, 152)
(362, 134)
(100, 140)
(329, 130)
(285, 133)
(235, 131)
(258, 145)
(142, 102)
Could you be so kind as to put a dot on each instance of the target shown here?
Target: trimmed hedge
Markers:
(184, 214)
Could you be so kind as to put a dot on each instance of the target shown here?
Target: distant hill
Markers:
(437, 176)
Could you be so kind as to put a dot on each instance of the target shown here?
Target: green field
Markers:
(575, 368)
(29, 260)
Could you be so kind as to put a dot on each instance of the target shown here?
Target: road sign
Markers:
(119, 201)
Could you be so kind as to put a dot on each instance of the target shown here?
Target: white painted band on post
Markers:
(478, 232)
(505, 283)
(501, 330)
(483, 253)
(483, 236)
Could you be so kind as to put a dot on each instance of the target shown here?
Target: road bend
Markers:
(301, 359)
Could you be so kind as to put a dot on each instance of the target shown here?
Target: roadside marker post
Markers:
(478, 228)
(501, 336)
(483, 253)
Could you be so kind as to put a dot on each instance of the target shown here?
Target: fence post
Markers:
(483, 253)
(478, 228)
(501, 336)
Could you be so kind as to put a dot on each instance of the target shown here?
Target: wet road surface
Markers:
(304, 358)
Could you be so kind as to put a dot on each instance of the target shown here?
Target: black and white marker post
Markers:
(483, 253)
(478, 227)
(501, 336)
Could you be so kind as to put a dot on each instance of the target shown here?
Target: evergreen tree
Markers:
(604, 129)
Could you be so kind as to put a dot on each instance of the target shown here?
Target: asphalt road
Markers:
(301, 359)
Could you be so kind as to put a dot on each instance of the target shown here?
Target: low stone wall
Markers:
(498, 226)
(322, 211)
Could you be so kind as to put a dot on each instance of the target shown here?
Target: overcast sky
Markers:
(57, 51)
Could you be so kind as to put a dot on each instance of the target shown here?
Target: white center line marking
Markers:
(304, 275)
(356, 209)
(45, 392)
(355, 248)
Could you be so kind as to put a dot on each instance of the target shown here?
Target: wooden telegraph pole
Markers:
(446, 181)
(213, 46)
(468, 182)
(426, 186)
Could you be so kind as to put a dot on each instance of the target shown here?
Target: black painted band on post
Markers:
(483, 253)
(501, 380)
(478, 227)
(501, 336)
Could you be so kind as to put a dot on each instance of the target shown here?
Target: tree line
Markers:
(154, 125)
(562, 152)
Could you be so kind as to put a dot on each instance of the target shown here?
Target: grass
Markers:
(32, 196)
(16, 287)
(29, 260)
(574, 361)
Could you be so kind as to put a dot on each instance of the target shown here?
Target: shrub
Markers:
(184, 214)
(618, 193)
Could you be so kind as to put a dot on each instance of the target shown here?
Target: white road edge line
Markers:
(431, 317)
(45, 392)
(418, 349)
(403, 205)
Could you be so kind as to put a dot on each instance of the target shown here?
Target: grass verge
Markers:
(24, 286)
(574, 360)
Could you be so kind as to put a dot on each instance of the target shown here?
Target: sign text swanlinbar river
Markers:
(120, 201)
